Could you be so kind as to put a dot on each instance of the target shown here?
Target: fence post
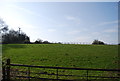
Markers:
(87, 75)
(8, 69)
(28, 73)
(57, 74)
(3, 72)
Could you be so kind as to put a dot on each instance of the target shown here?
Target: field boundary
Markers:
(7, 72)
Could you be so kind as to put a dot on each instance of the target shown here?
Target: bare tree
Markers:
(3, 26)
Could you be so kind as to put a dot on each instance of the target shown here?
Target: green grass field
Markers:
(65, 55)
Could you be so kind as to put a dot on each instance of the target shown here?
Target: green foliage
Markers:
(46, 42)
(98, 42)
(11, 36)
(15, 37)
(38, 41)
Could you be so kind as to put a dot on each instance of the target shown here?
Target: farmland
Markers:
(64, 55)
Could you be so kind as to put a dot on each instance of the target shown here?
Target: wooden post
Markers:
(8, 69)
(57, 75)
(28, 73)
(3, 72)
(87, 75)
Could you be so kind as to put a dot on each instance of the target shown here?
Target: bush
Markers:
(38, 41)
(98, 42)
(46, 42)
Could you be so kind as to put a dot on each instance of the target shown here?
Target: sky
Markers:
(64, 21)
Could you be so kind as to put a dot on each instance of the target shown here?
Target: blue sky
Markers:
(64, 21)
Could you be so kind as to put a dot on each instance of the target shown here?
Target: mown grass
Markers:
(63, 55)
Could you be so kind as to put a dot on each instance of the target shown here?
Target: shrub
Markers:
(98, 42)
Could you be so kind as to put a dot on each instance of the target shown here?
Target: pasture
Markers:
(63, 55)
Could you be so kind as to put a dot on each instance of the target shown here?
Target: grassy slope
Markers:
(84, 56)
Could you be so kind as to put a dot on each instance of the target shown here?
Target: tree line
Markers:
(19, 37)
(15, 37)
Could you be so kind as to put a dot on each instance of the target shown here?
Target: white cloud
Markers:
(72, 18)
(51, 30)
(83, 39)
(24, 10)
(105, 24)
(12, 22)
(109, 22)
(96, 33)
(73, 32)
(110, 30)
(27, 11)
